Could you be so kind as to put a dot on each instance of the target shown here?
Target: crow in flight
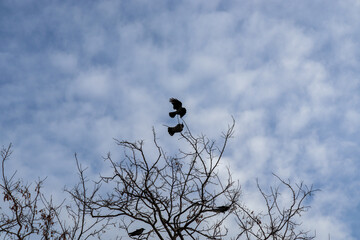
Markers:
(177, 105)
(177, 128)
(221, 209)
(136, 232)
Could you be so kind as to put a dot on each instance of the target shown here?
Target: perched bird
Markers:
(177, 105)
(221, 209)
(136, 232)
(177, 128)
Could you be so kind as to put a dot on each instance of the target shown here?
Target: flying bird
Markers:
(221, 209)
(177, 105)
(136, 232)
(177, 128)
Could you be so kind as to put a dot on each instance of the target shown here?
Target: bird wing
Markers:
(176, 103)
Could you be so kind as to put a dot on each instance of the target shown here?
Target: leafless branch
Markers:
(281, 220)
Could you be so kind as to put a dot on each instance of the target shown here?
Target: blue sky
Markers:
(75, 75)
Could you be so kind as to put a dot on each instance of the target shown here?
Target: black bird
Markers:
(177, 128)
(221, 209)
(136, 232)
(177, 105)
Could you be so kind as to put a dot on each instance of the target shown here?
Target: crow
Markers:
(177, 128)
(177, 105)
(136, 232)
(221, 209)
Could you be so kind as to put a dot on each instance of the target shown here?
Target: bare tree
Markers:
(153, 194)
(172, 197)
(21, 215)
(281, 220)
(27, 214)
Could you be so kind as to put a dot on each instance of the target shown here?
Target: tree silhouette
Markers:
(180, 196)
(173, 196)
(20, 216)
(280, 220)
(26, 213)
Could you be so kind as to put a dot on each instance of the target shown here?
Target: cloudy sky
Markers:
(76, 74)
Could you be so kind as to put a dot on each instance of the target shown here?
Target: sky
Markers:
(77, 74)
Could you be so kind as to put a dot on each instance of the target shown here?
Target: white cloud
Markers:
(91, 84)
(351, 123)
(66, 62)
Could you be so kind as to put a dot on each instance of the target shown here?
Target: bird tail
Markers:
(171, 131)
(172, 114)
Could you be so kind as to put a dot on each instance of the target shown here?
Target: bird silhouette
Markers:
(221, 209)
(177, 128)
(177, 105)
(136, 232)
